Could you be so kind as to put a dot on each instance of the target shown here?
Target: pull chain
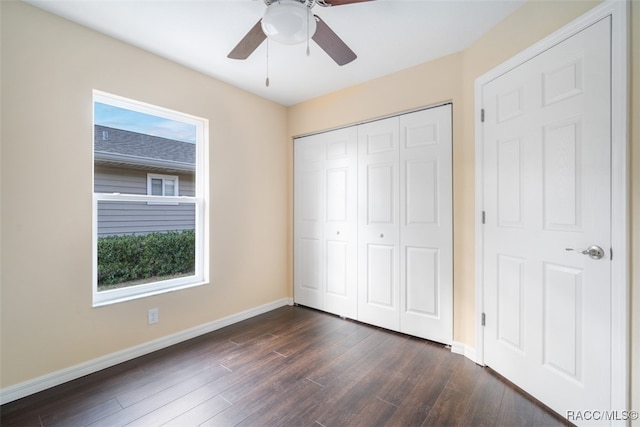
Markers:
(308, 13)
(267, 80)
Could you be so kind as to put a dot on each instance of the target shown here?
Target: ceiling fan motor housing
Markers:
(289, 21)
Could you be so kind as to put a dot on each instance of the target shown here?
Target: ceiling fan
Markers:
(291, 22)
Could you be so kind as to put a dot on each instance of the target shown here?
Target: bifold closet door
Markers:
(325, 231)
(373, 223)
(308, 225)
(426, 224)
(340, 225)
(378, 225)
(405, 239)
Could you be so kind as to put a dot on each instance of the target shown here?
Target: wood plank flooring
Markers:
(290, 367)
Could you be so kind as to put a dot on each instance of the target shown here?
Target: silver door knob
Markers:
(594, 252)
(381, 235)
(338, 232)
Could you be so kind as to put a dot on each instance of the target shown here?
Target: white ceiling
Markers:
(387, 36)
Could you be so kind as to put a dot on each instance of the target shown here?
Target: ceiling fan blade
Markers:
(332, 44)
(249, 43)
(342, 2)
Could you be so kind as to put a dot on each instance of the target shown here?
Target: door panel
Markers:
(337, 186)
(510, 181)
(426, 225)
(337, 267)
(510, 300)
(378, 228)
(546, 188)
(381, 282)
(561, 160)
(562, 314)
(325, 232)
(422, 281)
(381, 194)
(422, 192)
(308, 257)
(340, 227)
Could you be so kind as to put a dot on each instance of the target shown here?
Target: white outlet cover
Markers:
(153, 316)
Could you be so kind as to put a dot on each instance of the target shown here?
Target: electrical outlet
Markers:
(152, 316)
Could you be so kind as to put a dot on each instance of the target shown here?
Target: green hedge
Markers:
(129, 258)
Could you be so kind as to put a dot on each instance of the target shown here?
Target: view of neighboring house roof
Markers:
(124, 148)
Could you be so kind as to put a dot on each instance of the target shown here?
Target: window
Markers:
(150, 179)
(162, 185)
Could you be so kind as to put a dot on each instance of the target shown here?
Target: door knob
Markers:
(594, 252)
(381, 235)
(338, 232)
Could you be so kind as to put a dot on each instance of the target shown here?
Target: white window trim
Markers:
(151, 176)
(200, 200)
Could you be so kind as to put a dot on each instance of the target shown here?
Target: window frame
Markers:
(200, 200)
(152, 176)
(174, 178)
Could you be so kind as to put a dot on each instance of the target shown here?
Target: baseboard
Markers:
(18, 391)
(465, 350)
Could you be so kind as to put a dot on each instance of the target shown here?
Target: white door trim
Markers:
(620, 321)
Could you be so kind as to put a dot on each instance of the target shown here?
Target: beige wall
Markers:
(49, 68)
(453, 78)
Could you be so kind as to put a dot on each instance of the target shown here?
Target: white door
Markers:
(426, 224)
(378, 224)
(325, 231)
(340, 222)
(546, 189)
(373, 223)
(308, 224)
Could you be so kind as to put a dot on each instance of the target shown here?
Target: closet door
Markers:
(373, 223)
(426, 224)
(308, 225)
(378, 225)
(340, 222)
(325, 231)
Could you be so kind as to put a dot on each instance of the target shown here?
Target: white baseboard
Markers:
(17, 391)
(465, 350)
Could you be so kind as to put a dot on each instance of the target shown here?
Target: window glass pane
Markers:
(128, 144)
(156, 187)
(170, 187)
(140, 243)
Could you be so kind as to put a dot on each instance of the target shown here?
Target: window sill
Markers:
(104, 298)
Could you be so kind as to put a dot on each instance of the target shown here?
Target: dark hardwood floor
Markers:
(290, 367)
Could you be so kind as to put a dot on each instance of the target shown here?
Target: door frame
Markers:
(620, 279)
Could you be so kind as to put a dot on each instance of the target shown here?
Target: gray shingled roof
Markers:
(123, 147)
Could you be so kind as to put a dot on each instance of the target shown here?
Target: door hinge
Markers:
(482, 115)
(611, 254)
(483, 217)
(483, 319)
